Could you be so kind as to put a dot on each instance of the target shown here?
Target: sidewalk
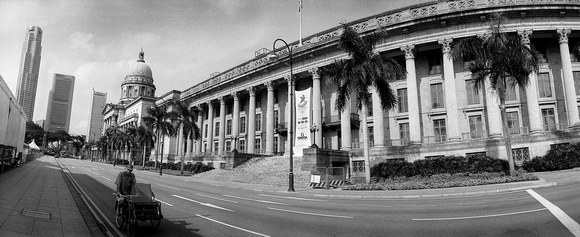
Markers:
(35, 200)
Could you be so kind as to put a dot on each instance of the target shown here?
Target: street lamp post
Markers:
(314, 129)
(290, 103)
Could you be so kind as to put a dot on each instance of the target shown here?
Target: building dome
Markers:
(138, 82)
(140, 69)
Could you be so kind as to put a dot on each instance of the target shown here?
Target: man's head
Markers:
(129, 168)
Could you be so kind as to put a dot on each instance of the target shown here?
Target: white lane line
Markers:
(106, 178)
(221, 199)
(474, 217)
(309, 213)
(235, 227)
(572, 225)
(156, 199)
(295, 198)
(255, 200)
(168, 187)
(95, 168)
(203, 204)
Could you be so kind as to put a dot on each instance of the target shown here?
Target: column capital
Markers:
(563, 35)
(409, 51)
(445, 44)
(251, 90)
(315, 73)
(269, 85)
(222, 99)
(235, 95)
(525, 35)
(287, 78)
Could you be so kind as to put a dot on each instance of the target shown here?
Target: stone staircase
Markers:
(262, 170)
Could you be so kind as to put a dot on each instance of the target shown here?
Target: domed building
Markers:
(137, 94)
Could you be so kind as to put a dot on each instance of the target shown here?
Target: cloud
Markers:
(81, 41)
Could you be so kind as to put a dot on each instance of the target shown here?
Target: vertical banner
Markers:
(302, 135)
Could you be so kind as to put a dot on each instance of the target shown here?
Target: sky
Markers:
(184, 40)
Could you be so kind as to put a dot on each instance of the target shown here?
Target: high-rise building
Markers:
(28, 74)
(98, 101)
(60, 103)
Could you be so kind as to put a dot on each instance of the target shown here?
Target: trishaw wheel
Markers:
(155, 223)
(118, 216)
(132, 224)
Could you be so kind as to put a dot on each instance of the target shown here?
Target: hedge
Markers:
(558, 158)
(195, 168)
(444, 165)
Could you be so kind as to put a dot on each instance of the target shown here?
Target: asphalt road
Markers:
(195, 209)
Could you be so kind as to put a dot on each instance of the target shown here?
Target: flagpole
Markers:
(300, 33)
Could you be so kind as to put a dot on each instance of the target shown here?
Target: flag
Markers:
(299, 5)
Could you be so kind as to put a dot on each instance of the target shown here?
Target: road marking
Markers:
(221, 199)
(156, 199)
(295, 198)
(309, 213)
(572, 225)
(254, 200)
(474, 217)
(235, 227)
(106, 178)
(203, 204)
(168, 187)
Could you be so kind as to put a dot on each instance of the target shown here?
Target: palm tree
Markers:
(130, 142)
(160, 121)
(102, 146)
(363, 69)
(145, 139)
(502, 59)
(186, 123)
(113, 134)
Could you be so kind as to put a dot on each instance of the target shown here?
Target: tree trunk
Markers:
(156, 149)
(144, 150)
(182, 156)
(161, 160)
(365, 132)
(506, 136)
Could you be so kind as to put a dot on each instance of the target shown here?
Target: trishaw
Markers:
(138, 206)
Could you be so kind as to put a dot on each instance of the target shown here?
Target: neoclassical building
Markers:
(438, 110)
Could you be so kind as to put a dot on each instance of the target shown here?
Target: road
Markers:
(196, 209)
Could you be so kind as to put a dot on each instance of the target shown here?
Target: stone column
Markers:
(199, 143)
(570, 90)
(450, 98)
(378, 122)
(236, 120)
(251, 120)
(532, 92)
(209, 131)
(493, 112)
(222, 132)
(412, 94)
(316, 105)
(270, 118)
(345, 133)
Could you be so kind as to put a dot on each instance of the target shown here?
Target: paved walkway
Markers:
(37, 199)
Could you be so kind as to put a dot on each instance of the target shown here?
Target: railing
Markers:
(519, 131)
(556, 127)
(475, 135)
(398, 142)
(434, 139)
(337, 118)
(358, 145)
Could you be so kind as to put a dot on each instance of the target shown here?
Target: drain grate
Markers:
(36, 214)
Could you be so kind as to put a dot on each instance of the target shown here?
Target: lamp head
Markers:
(272, 56)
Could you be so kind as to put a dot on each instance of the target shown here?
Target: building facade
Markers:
(438, 110)
(29, 67)
(98, 101)
(60, 100)
(12, 124)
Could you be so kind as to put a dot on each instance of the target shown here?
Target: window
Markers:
(513, 121)
(258, 101)
(404, 133)
(242, 145)
(576, 76)
(371, 136)
(276, 118)
(434, 157)
(210, 164)
(481, 153)
(242, 124)
(206, 133)
(229, 127)
(257, 144)
(370, 106)
(520, 155)
(440, 130)
(216, 147)
(276, 141)
(476, 126)
(549, 119)
(276, 96)
(258, 122)
(228, 145)
(229, 108)
(358, 166)
(510, 93)
(544, 85)
(402, 100)
(222, 166)
(472, 93)
(467, 61)
(217, 129)
(437, 97)
(434, 64)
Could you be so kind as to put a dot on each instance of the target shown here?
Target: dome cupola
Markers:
(139, 81)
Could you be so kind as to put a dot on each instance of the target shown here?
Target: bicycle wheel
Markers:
(155, 223)
(119, 219)
(132, 221)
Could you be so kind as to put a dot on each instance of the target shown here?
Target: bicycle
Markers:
(125, 213)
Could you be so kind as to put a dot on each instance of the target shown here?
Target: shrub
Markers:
(558, 158)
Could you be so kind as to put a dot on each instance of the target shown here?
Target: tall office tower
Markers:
(28, 74)
(98, 101)
(60, 103)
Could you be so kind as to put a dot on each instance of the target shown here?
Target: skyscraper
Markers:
(98, 101)
(60, 103)
(28, 74)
